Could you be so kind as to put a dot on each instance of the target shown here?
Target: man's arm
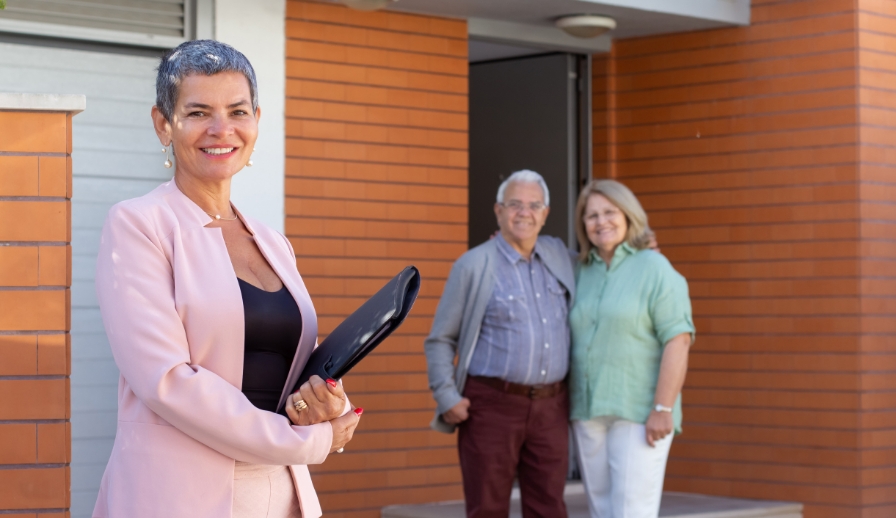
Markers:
(441, 346)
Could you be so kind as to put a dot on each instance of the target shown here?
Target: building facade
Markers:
(756, 134)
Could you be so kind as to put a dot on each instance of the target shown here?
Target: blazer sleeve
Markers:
(135, 289)
(442, 343)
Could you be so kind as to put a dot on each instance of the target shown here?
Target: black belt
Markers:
(529, 391)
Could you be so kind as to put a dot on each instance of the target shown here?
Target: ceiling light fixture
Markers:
(367, 5)
(586, 25)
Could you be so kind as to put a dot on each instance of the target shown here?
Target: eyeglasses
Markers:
(516, 205)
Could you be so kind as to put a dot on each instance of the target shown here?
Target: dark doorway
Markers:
(529, 113)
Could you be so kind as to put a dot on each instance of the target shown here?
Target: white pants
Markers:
(622, 474)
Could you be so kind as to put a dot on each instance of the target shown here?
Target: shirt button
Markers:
(510, 297)
(544, 373)
(544, 321)
(538, 294)
(547, 345)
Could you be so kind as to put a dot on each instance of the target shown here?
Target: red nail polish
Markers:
(331, 382)
(359, 411)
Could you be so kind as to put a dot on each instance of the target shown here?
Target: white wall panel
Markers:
(259, 191)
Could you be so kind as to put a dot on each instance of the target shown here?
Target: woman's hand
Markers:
(673, 368)
(659, 425)
(344, 428)
(325, 401)
(652, 244)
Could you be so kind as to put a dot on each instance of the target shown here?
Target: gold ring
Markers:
(300, 404)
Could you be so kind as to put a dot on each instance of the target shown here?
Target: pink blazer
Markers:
(173, 314)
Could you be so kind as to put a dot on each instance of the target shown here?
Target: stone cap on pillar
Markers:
(43, 102)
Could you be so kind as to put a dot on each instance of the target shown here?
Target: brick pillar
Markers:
(876, 359)
(35, 276)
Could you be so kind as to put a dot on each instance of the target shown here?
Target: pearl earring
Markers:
(250, 163)
(168, 162)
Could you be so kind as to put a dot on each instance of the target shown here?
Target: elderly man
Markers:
(498, 355)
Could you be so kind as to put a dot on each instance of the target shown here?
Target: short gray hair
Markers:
(525, 176)
(207, 57)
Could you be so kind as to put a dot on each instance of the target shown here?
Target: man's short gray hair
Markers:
(207, 57)
(525, 176)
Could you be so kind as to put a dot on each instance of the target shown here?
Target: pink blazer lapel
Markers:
(228, 357)
(204, 275)
(276, 251)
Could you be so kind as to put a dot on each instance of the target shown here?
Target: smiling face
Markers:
(605, 225)
(520, 226)
(212, 128)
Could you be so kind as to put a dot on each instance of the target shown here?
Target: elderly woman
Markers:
(209, 323)
(631, 331)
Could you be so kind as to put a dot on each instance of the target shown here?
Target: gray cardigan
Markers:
(455, 328)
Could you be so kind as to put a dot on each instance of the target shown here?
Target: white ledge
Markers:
(674, 505)
(551, 38)
(43, 102)
(90, 34)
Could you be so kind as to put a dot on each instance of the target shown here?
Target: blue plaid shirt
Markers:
(524, 336)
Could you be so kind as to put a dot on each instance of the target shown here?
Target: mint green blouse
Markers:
(620, 323)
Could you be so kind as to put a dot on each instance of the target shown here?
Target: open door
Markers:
(533, 113)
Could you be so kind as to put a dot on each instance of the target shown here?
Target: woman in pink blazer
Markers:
(209, 321)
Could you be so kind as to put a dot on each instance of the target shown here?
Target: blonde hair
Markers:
(638, 233)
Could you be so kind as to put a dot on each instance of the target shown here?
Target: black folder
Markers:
(364, 329)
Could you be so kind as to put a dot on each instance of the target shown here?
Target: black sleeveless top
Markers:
(273, 329)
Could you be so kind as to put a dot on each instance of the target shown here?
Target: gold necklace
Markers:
(219, 218)
(216, 216)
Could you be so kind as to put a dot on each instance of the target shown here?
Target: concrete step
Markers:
(675, 505)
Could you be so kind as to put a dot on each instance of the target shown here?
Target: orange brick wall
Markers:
(876, 191)
(35, 275)
(376, 179)
(763, 156)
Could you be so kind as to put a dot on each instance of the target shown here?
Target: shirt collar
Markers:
(622, 251)
(510, 253)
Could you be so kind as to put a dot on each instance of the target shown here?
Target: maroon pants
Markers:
(509, 435)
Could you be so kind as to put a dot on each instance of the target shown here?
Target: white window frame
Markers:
(198, 23)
